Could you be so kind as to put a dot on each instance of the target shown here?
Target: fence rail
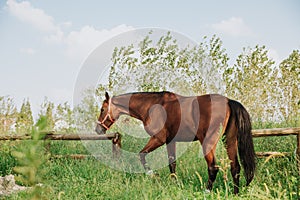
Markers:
(114, 137)
(109, 136)
(275, 132)
(51, 136)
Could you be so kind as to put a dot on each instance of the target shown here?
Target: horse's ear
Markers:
(106, 96)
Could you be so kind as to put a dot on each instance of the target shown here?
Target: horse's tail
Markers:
(245, 142)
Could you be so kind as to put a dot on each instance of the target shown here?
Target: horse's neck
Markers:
(121, 103)
(134, 105)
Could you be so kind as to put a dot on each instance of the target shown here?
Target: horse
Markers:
(169, 118)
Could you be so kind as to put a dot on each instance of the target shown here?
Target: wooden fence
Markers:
(280, 132)
(116, 139)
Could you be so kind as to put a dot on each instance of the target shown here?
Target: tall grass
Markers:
(276, 178)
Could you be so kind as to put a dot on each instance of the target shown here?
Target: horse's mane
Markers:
(161, 93)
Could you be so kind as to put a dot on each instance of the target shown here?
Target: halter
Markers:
(106, 116)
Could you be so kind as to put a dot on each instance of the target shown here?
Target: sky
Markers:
(43, 44)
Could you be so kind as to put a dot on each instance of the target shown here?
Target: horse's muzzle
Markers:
(100, 130)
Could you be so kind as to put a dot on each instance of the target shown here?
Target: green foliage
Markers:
(166, 66)
(60, 118)
(87, 112)
(252, 81)
(8, 113)
(30, 159)
(47, 113)
(64, 118)
(269, 92)
(7, 161)
(290, 87)
(24, 120)
(211, 60)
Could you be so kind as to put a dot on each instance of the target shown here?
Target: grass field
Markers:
(65, 178)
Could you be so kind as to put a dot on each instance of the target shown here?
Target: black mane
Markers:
(160, 93)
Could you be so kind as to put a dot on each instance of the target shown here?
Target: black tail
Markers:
(245, 142)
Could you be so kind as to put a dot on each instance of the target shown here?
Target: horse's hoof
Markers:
(206, 191)
(152, 174)
(173, 176)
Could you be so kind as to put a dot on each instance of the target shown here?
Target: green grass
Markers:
(65, 178)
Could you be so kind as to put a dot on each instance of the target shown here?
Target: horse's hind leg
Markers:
(152, 144)
(212, 169)
(231, 146)
(171, 148)
(235, 167)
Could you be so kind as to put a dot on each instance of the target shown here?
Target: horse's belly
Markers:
(185, 136)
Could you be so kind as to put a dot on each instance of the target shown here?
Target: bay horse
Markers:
(169, 118)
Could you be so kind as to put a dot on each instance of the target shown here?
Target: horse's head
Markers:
(105, 120)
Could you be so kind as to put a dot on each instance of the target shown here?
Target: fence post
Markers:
(116, 146)
(47, 146)
(298, 153)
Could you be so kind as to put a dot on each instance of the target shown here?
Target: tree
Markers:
(148, 67)
(87, 112)
(64, 118)
(290, 86)
(166, 66)
(47, 112)
(8, 113)
(24, 121)
(209, 61)
(252, 80)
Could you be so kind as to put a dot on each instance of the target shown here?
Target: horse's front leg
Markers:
(152, 144)
(171, 148)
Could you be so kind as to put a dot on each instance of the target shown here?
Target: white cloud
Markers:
(81, 43)
(78, 44)
(28, 51)
(235, 26)
(55, 38)
(34, 16)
